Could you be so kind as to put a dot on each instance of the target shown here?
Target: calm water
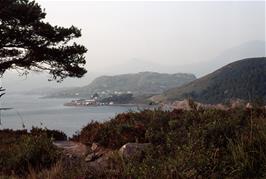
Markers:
(51, 113)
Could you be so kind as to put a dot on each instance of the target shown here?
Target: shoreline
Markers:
(115, 105)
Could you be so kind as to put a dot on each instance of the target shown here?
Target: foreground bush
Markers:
(200, 143)
(21, 151)
(53, 134)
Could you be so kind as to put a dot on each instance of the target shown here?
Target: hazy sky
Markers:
(168, 33)
(126, 37)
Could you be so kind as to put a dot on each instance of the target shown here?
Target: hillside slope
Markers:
(244, 79)
(142, 83)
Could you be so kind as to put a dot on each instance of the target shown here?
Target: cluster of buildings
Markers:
(96, 99)
(87, 102)
(106, 93)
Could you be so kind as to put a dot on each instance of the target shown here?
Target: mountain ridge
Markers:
(141, 83)
(244, 79)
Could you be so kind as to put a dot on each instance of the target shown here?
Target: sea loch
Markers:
(31, 110)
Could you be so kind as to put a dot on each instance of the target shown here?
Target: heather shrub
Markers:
(201, 143)
(53, 134)
(23, 151)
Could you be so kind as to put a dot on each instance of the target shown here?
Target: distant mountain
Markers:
(244, 79)
(13, 82)
(245, 50)
(249, 49)
(138, 84)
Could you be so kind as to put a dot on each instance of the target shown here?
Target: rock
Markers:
(90, 157)
(220, 107)
(94, 156)
(181, 105)
(184, 105)
(71, 148)
(100, 162)
(130, 150)
(238, 103)
(101, 159)
(249, 106)
(96, 152)
(94, 147)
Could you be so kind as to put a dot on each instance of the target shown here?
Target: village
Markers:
(104, 99)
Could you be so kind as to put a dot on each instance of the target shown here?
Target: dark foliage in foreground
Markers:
(198, 143)
(54, 134)
(203, 143)
(21, 151)
(29, 43)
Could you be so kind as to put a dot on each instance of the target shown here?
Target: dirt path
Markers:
(72, 148)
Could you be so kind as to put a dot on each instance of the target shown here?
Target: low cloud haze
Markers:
(127, 37)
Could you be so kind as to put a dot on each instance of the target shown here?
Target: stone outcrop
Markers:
(131, 150)
(100, 158)
(71, 148)
(186, 105)
(96, 152)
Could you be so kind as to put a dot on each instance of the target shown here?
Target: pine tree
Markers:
(28, 43)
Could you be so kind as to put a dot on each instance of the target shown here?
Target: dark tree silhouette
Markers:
(28, 43)
(2, 91)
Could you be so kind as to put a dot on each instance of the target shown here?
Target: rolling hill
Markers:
(244, 79)
(143, 83)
